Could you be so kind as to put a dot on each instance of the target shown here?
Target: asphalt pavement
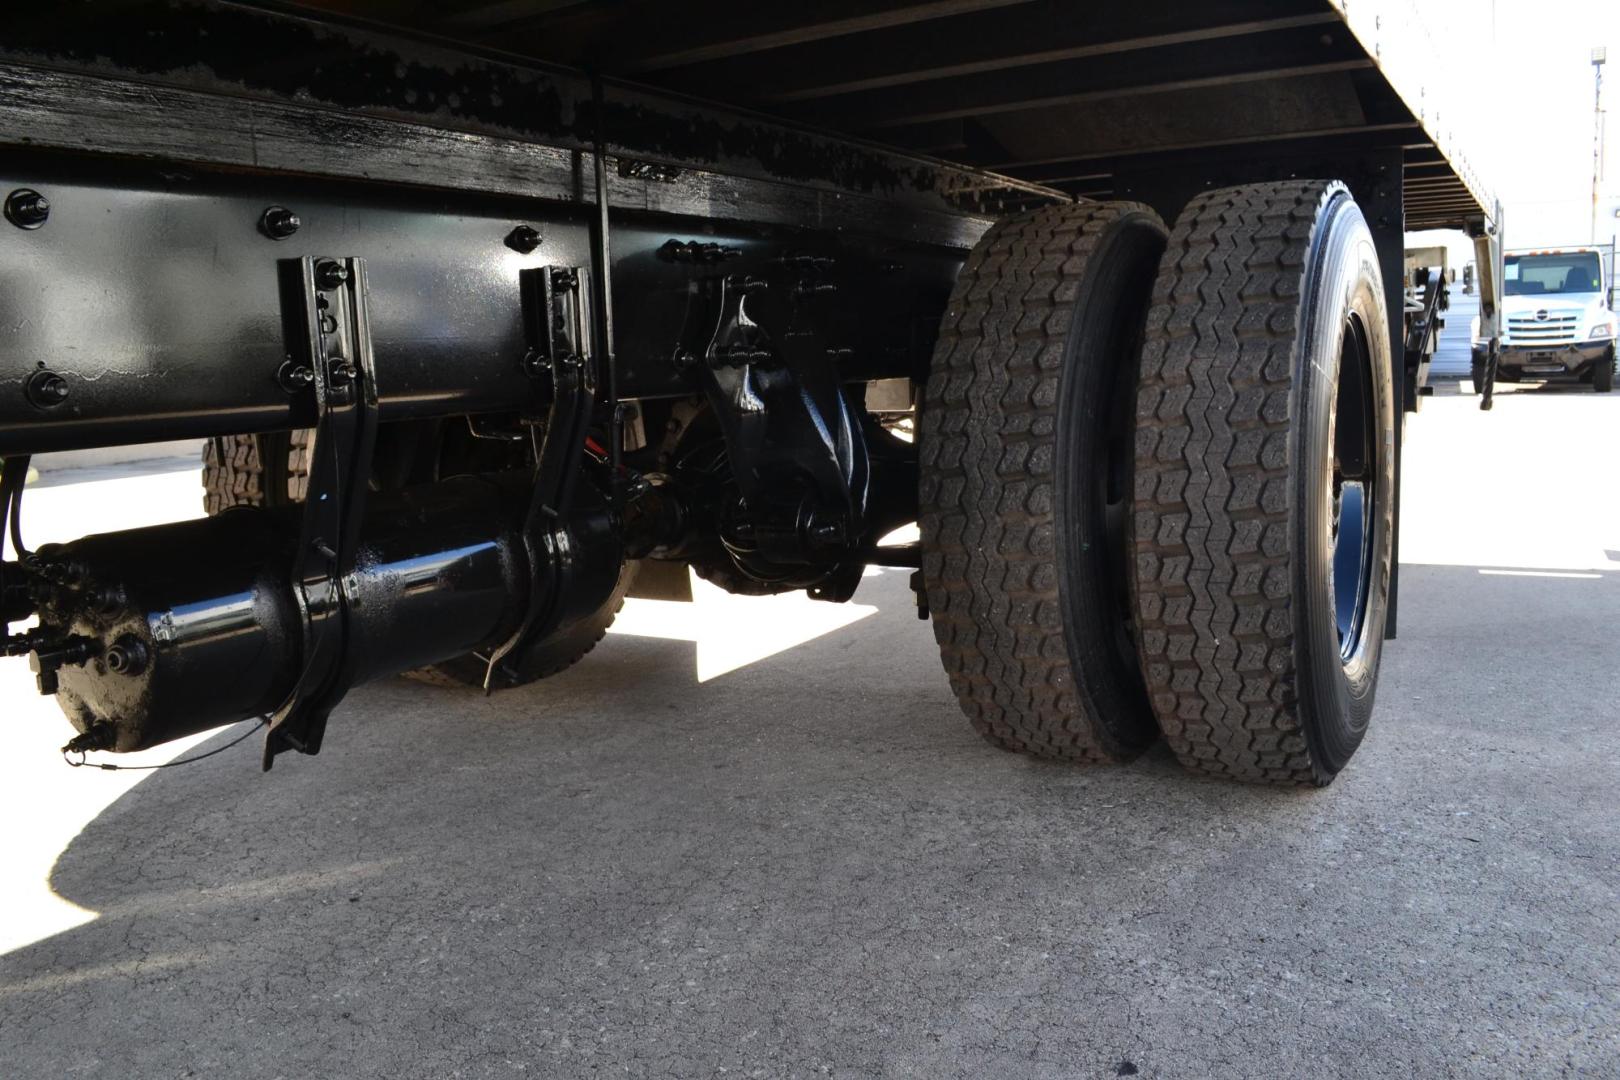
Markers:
(758, 839)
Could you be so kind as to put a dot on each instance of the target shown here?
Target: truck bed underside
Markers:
(1081, 98)
(1076, 96)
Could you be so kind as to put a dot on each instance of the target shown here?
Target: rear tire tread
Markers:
(234, 472)
(1211, 528)
(233, 475)
(988, 438)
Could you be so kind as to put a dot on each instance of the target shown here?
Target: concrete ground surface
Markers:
(758, 839)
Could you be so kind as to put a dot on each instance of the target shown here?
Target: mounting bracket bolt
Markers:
(27, 208)
(294, 377)
(523, 239)
(278, 222)
(330, 274)
(46, 389)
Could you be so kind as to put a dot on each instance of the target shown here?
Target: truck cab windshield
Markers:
(1539, 275)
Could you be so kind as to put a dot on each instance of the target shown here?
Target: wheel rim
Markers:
(1352, 490)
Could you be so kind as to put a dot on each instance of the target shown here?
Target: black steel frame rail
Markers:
(226, 83)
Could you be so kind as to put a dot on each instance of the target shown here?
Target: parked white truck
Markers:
(1558, 321)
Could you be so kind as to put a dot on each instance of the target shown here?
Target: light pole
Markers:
(1599, 56)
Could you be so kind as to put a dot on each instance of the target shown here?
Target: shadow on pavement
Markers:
(811, 866)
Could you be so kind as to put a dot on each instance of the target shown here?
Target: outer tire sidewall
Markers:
(1336, 697)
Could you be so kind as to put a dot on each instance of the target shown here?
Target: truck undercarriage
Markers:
(490, 314)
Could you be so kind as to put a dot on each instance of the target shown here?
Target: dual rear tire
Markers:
(1158, 482)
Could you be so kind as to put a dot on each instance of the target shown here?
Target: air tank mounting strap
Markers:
(330, 360)
(602, 258)
(558, 315)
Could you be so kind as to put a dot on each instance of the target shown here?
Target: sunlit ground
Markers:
(731, 632)
(1527, 490)
(43, 802)
(36, 787)
(1533, 485)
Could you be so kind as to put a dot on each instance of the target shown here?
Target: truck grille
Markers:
(1556, 328)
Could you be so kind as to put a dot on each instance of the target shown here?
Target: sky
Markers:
(1529, 132)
